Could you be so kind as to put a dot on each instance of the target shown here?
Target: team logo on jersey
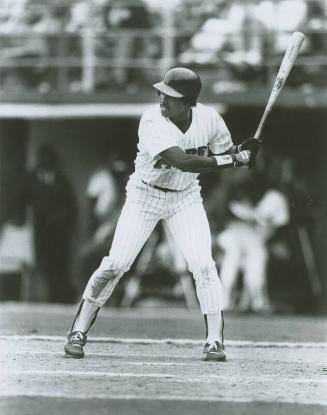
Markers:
(200, 151)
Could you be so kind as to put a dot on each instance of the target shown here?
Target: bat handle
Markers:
(261, 124)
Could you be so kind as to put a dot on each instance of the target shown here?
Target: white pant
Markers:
(244, 249)
(186, 219)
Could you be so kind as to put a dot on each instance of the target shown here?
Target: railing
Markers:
(94, 60)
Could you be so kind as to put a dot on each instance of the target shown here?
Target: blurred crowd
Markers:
(112, 44)
(246, 40)
(260, 237)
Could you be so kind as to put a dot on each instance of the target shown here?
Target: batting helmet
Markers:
(181, 83)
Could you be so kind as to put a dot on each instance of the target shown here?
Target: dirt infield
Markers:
(149, 361)
(59, 406)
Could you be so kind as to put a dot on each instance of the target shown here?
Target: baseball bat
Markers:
(289, 58)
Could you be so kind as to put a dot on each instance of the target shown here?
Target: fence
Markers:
(236, 48)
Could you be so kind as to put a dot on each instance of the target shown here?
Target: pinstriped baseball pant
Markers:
(186, 219)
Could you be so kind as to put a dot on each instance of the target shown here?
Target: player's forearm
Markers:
(197, 164)
(176, 157)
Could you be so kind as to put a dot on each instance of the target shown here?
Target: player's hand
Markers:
(253, 145)
(242, 158)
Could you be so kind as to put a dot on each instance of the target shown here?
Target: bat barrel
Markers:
(291, 53)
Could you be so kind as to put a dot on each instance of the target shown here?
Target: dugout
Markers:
(82, 134)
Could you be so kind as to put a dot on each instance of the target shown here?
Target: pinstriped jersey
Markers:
(157, 133)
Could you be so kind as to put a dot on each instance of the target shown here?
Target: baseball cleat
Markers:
(74, 344)
(214, 352)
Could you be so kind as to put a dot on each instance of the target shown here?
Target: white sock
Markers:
(85, 317)
(214, 322)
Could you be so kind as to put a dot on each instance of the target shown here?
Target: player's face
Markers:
(171, 107)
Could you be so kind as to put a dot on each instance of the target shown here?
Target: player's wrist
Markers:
(242, 158)
(224, 161)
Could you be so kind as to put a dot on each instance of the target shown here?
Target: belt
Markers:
(163, 189)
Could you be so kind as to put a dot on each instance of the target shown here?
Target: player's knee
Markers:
(108, 270)
(206, 265)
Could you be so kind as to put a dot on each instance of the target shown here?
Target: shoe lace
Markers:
(77, 337)
(213, 345)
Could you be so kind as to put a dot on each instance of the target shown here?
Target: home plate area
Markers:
(126, 374)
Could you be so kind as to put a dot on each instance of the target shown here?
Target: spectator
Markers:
(54, 212)
(233, 39)
(128, 18)
(282, 18)
(21, 46)
(50, 28)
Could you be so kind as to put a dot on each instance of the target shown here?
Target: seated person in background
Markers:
(233, 39)
(253, 222)
(16, 253)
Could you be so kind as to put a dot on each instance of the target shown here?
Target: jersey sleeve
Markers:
(221, 140)
(154, 136)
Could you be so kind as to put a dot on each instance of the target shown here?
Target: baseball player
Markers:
(178, 139)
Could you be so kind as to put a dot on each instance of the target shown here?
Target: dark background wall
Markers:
(13, 150)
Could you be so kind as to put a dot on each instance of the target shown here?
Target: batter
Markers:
(178, 139)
